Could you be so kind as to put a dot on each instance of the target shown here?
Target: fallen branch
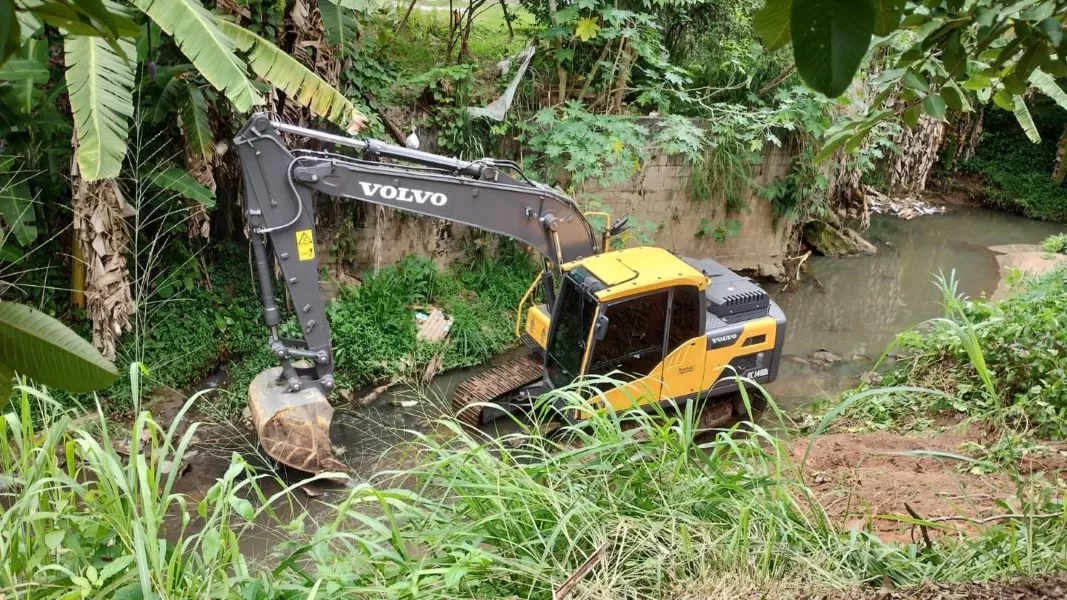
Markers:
(995, 518)
(922, 528)
(565, 589)
(376, 393)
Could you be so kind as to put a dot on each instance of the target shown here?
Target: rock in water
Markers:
(828, 240)
(825, 357)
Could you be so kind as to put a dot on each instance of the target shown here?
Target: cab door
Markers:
(683, 366)
(632, 349)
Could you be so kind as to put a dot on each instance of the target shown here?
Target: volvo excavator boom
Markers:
(486, 194)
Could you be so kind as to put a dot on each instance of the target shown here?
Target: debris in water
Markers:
(906, 208)
(825, 357)
(405, 403)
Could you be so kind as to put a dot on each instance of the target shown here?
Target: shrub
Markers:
(1005, 360)
(1057, 244)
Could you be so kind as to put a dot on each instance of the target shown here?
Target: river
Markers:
(854, 307)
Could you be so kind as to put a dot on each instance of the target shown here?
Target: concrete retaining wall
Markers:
(659, 204)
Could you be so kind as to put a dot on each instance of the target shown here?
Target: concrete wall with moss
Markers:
(658, 200)
(663, 211)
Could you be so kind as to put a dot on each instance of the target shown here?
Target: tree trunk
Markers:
(77, 274)
(919, 146)
(1059, 168)
(100, 232)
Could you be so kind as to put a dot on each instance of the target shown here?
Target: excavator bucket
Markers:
(293, 427)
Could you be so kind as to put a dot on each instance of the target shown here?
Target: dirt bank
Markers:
(1042, 588)
(873, 479)
(727, 586)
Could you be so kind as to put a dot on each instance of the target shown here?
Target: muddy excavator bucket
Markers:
(293, 427)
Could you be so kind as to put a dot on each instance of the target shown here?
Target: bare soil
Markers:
(1046, 587)
(1041, 588)
(960, 189)
(882, 480)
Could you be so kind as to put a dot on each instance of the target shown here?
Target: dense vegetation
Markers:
(1000, 364)
(657, 510)
(1018, 173)
(134, 236)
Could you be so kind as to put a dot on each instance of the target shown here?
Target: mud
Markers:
(1041, 588)
(871, 480)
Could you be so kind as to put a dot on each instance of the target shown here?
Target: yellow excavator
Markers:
(666, 327)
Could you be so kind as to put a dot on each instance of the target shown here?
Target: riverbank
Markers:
(627, 505)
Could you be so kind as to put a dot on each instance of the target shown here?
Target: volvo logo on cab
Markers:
(403, 194)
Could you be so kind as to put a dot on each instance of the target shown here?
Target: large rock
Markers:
(828, 240)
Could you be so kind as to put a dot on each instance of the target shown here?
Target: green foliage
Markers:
(719, 231)
(935, 59)
(17, 210)
(182, 183)
(973, 43)
(1057, 244)
(80, 17)
(38, 346)
(602, 148)
(374, 328)
(1017, 172)
(81, 520)
(100, 81)
(679, 136)
(830, 39)
(102, 73)
(1003, 362)
(475, 518)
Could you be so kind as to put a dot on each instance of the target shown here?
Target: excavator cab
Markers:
(656, 327)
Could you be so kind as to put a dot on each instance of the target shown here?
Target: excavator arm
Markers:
(486, 194)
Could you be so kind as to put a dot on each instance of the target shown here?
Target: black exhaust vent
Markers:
(731, 297)
(736, 296)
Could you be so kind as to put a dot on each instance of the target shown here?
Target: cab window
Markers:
(685, 316)
(633, 343)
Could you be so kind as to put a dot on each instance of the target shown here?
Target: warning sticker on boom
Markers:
(305, 245)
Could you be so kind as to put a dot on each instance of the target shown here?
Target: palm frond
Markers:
(199, 37)
(181, 182)
(297, 81)
(1048, 86)
(1022, 115)
(196, 125)
(29, 25)
(100, 84)
(340, 24)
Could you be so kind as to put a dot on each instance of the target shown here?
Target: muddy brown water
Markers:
(850, 307)
(854, 307)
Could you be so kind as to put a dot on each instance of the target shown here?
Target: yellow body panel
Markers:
(691, 368)
(716, 360)
(683, 369)
(636, 393)
(636, 271)
(537, 320)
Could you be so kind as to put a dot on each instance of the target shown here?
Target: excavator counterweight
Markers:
(662, 326)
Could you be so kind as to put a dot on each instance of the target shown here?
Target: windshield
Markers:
(572, 321)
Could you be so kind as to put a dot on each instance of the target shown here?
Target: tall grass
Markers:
(79, 520)
(638, 496)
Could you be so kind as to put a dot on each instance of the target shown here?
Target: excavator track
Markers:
(492, 384)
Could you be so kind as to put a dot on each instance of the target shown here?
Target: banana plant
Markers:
(101, 74)
(36, 345)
